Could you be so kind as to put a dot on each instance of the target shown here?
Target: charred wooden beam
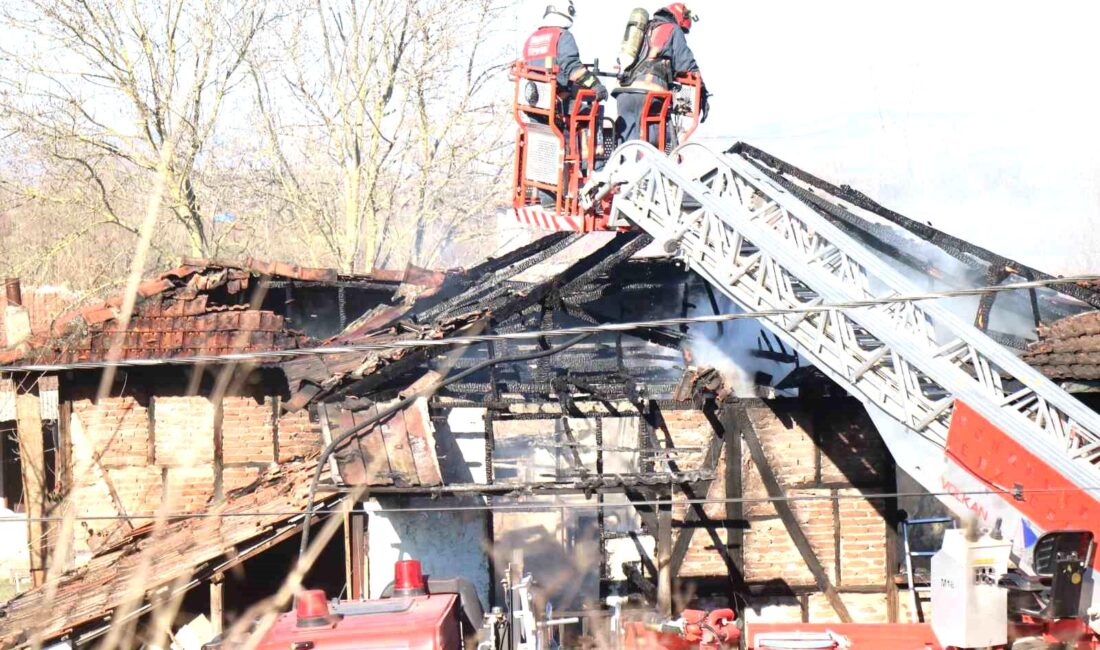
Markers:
(726, 435)
(790, 520)
(661, 336)
(664, 555)
(735, 507)
(480, 280)
(618, 250)
(635, 486)
(696, 512)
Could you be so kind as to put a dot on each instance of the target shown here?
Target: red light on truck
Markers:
(311, 609)
(408, 579)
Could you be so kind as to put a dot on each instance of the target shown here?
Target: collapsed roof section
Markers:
(154, 562)
(211, 307)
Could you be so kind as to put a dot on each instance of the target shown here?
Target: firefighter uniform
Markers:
(665, 54)
(553, 44)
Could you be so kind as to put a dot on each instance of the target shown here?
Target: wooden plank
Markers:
(664, 555)
(399, 450)
(32, 456)
(355, 553)
(790, 521)
(362, 462)
(217, 603)
(421, 432)
(326, 439)
(379, 470)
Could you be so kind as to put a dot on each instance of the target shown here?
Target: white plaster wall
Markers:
(467, 427)
(14, 552)
(448, 544)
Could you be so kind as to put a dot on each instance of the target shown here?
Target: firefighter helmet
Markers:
(682, 15)
(565, 10)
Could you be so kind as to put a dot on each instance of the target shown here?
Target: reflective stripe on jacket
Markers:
(554, 46)
(541, 50)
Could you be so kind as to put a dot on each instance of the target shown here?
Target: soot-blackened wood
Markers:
(697, 512)
(790, 522)
(735, 507)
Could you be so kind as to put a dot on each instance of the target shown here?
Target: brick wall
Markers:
(247, 430)
(117, 428)
(130, 452)
(820, 452)
(298, 436)
(183, 431)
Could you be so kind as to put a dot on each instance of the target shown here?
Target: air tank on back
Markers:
(633, 38)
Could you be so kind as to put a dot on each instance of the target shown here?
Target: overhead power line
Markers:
(571, 505)
(275, 355)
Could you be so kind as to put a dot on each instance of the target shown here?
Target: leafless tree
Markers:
(385, 133)
(99, 88)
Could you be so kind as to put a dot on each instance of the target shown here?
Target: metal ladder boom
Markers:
(767, 250)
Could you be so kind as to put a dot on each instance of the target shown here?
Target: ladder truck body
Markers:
(977, 427)
(968, 419)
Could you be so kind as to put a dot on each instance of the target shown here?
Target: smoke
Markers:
(735, 350)
(1012, 313)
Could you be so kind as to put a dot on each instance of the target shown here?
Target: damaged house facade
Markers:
(681, 464)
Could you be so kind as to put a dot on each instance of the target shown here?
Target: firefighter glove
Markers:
(590, 81)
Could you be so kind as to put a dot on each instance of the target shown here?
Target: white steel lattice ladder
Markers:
(960, 413)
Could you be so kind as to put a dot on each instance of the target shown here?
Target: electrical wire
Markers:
(401, 405)
(595, 505)
(250, 357)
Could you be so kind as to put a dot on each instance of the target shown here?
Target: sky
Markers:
(978, 117)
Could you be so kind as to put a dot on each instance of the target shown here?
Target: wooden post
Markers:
(664, 555)
(355, 553)
(219, 447)
(890, 508)
(217, 603)
(790, 522)
(32, 455)
(65, 448)
(735, 508)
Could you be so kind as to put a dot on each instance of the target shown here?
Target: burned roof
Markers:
(125, 576)
(1068, 349)
(938, 260)
(203, 307)
(200, 308)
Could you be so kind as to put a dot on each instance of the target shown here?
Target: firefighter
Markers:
(664, 55)
(553, 44)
